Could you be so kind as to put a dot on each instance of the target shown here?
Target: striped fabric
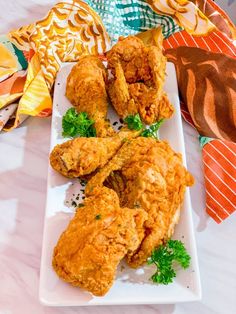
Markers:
(219, 156)
(214, 42)
(185, 114)
(220, 178)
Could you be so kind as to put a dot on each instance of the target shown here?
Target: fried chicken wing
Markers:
(82, 156)
(86, 90)
(148, 174)
(138, 79)
(96, 240)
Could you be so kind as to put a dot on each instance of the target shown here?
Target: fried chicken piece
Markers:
(147, 173)
(137, 86)
(96, 240)
(86, 90)
(82, 156)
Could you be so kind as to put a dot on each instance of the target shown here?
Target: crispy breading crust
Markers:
(138, 79)
(86, 90)
(82, 156)
(147, 173)
(96, 239)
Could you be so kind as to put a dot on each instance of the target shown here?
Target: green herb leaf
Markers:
(152, 130)
(163, 258)
(74, 123)
(180, 254)
(97, 217)
(134, 122)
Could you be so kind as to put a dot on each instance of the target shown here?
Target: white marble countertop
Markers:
(23, 175)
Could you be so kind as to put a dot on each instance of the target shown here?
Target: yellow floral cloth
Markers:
(69, 30)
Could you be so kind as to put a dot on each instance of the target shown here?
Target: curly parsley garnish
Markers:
(152, 130)
(74, 123)
(134, 122)
(163, 258)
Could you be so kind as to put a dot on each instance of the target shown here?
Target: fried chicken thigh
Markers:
(82, 156)
(147, 174)
(138, 79)
(96, 240)
(86, 90)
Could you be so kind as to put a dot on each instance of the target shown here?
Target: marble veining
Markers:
(23, 178)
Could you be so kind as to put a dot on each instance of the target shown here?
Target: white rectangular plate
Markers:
(131, 286)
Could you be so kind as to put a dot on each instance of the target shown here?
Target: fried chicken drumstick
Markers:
(147, 174)
(82, 156)
(138, 79)
(96, 240)
(86, 90)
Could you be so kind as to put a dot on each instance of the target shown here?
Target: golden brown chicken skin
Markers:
(86, 90)
(137, 85)
(82, 156)
(96, 240)
(148, 174)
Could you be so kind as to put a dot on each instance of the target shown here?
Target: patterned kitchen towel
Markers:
(70, 29)
(219, 165)
(200, 40)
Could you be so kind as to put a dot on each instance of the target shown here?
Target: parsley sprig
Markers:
(134, 123)
(74, 123)
(163, 258)
(152, 130)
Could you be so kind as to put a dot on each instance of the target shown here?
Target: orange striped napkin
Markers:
(219, 160)
(206, 70)
(220, 178)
